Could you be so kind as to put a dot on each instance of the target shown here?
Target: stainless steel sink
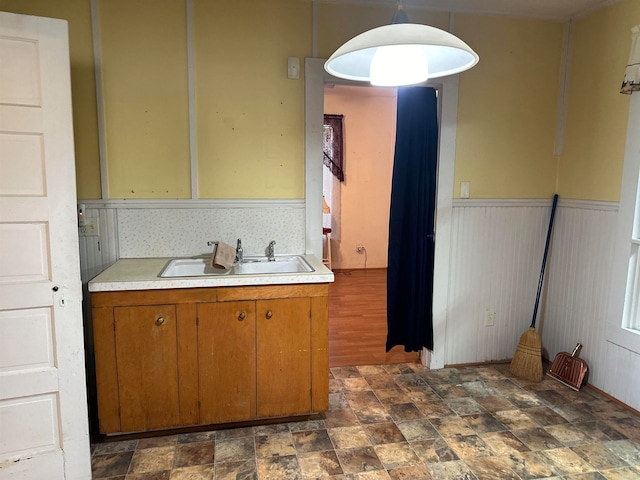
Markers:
(200, 267)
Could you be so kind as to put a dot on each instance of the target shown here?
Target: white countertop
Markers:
(142, 274)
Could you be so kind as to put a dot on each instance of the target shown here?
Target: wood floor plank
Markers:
(358, 320)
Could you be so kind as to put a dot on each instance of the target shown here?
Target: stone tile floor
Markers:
(407, 422)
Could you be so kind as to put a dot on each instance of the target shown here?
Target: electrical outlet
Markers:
(359, 247)
(489, 318)
(89, 227)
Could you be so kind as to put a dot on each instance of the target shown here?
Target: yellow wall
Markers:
(507, 107)
(591, 164)
(365, 195)
(250, 117)
(144, 59)
(83, 85)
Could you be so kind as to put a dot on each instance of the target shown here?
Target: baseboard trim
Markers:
(477, 364)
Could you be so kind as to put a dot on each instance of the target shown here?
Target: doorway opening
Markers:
(359, 206)
(315, 80)
(360, 220)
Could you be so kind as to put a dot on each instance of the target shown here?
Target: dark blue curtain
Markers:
(411, 221)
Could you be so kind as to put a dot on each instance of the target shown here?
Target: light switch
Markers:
(464, 189)
(293, 67)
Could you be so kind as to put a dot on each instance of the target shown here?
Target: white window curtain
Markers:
(631, 82)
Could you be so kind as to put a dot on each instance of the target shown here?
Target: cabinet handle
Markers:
(242, 315)
(160, 321)
(269, 314)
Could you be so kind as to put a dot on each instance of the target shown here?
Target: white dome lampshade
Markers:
(401, 54)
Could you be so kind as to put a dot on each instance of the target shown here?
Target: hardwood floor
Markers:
(358, 320)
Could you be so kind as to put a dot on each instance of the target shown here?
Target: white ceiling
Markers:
(549, 9)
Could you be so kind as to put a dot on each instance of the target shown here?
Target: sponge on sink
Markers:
(223, 255)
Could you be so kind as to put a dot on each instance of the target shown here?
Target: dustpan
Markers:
(569, 369)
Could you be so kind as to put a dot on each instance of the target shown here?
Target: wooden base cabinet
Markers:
(185, 357)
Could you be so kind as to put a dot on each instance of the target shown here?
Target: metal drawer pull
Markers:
(242, 315)
(269, 314)
(160, 321)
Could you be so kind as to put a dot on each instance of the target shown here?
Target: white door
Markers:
(43, 408)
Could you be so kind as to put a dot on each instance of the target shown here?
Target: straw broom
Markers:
(527, 361)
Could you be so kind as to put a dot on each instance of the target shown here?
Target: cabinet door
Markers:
(227, 361)
(147, 359)
(284, 356)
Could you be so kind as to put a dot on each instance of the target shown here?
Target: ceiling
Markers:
(548, 9)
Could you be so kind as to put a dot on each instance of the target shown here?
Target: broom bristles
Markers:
(527, 361)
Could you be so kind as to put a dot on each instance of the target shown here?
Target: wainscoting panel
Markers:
(618, 373)
(98, 253)
(496, 255)
(578, 287)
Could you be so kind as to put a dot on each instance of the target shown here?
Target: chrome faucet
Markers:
(270, 251)
(239, 252)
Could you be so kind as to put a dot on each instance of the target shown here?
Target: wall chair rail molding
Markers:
(196, 204)
(535, 202)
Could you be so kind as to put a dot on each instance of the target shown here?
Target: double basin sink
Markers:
(201, 266)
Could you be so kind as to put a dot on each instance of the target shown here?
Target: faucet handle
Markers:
(239, 251)
(271, 251)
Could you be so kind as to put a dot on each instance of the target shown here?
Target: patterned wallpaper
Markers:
(178, 232)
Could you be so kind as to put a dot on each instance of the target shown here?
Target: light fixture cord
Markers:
(400, 16)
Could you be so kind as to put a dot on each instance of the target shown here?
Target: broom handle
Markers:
(544, 260)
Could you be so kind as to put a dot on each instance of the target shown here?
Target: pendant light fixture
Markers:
(402, 53)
